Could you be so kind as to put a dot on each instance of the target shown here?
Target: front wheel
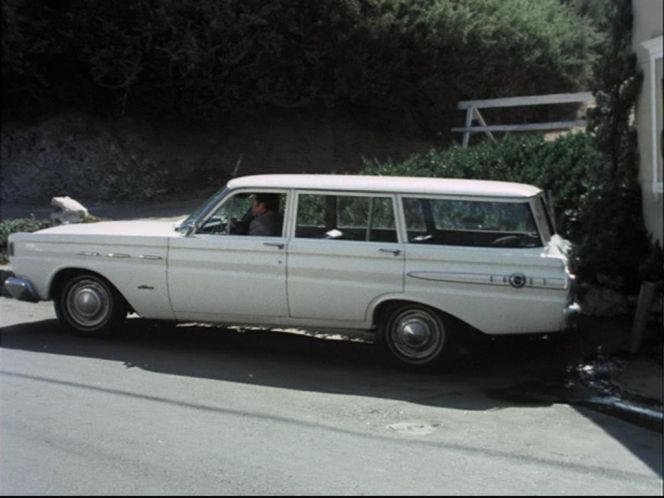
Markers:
(90, 305)
(415, 335)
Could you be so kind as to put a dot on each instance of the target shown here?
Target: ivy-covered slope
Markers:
(201, 58)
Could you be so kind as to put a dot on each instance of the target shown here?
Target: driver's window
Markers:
(248, 213)
(238, 207)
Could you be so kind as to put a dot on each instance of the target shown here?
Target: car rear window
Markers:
(470, 223)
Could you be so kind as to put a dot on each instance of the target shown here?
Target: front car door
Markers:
(221, 271)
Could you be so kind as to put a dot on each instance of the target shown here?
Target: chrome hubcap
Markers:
(88, 303)
(417, 335)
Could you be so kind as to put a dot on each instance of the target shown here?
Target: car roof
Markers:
(390, 184)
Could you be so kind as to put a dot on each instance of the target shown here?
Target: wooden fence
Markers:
(472, 108)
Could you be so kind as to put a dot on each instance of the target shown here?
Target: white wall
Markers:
(647, 27)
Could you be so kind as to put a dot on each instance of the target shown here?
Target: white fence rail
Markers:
(472, 113)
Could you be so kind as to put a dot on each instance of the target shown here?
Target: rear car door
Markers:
(344, 255)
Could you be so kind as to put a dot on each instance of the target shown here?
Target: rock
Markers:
(68, 210)
(598, 301)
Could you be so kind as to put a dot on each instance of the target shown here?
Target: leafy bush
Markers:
(614, 218)
(202, 57)
(31, 224)
(7, 227)
(566, 168)
(606, 230)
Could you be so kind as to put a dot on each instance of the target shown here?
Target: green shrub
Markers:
(200, 58)
(7, 227)
(566, 168)
(601, 222)
(31, 224)
(614, 239)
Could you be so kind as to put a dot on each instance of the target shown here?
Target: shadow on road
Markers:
(302, 362)
(488, 374)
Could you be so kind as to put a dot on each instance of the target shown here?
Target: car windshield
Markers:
(203, 208)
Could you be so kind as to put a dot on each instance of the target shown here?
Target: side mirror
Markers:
(189, 230)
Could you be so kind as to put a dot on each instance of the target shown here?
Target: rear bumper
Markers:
(571, 314)
(21, 289)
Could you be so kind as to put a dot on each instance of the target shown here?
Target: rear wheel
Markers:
(416, 335)
(88, 304)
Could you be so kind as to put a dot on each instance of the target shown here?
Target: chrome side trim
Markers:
(109, 255)
(118, 255)
(488, 279)
(21, 289)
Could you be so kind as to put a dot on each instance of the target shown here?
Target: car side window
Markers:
(345, 217)
(414, 215)
(238, 215)
(470, 223)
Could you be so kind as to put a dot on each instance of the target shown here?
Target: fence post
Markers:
(469, 122)
(646, 294)
(483, 123)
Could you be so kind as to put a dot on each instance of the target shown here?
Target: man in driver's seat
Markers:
(266, 219)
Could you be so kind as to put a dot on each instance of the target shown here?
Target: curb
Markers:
(608, 395)
(641, 414)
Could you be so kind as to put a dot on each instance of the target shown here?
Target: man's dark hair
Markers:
(271, 201)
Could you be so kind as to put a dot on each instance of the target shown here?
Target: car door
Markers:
(482, 260)
(218, 271)
(343, 256)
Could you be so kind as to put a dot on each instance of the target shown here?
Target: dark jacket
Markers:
(268, 223)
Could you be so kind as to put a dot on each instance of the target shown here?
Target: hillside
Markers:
(158, 99)
(145, 157)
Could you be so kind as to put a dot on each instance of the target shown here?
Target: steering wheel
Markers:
(241, 226)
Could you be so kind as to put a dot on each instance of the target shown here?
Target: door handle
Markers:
(396, 252)
(278, 245)
(150, 257)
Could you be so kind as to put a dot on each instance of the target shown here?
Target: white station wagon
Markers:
(414, 259)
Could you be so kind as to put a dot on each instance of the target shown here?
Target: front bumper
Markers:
(21, 289)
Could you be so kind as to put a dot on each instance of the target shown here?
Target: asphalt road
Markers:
(205, 410)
